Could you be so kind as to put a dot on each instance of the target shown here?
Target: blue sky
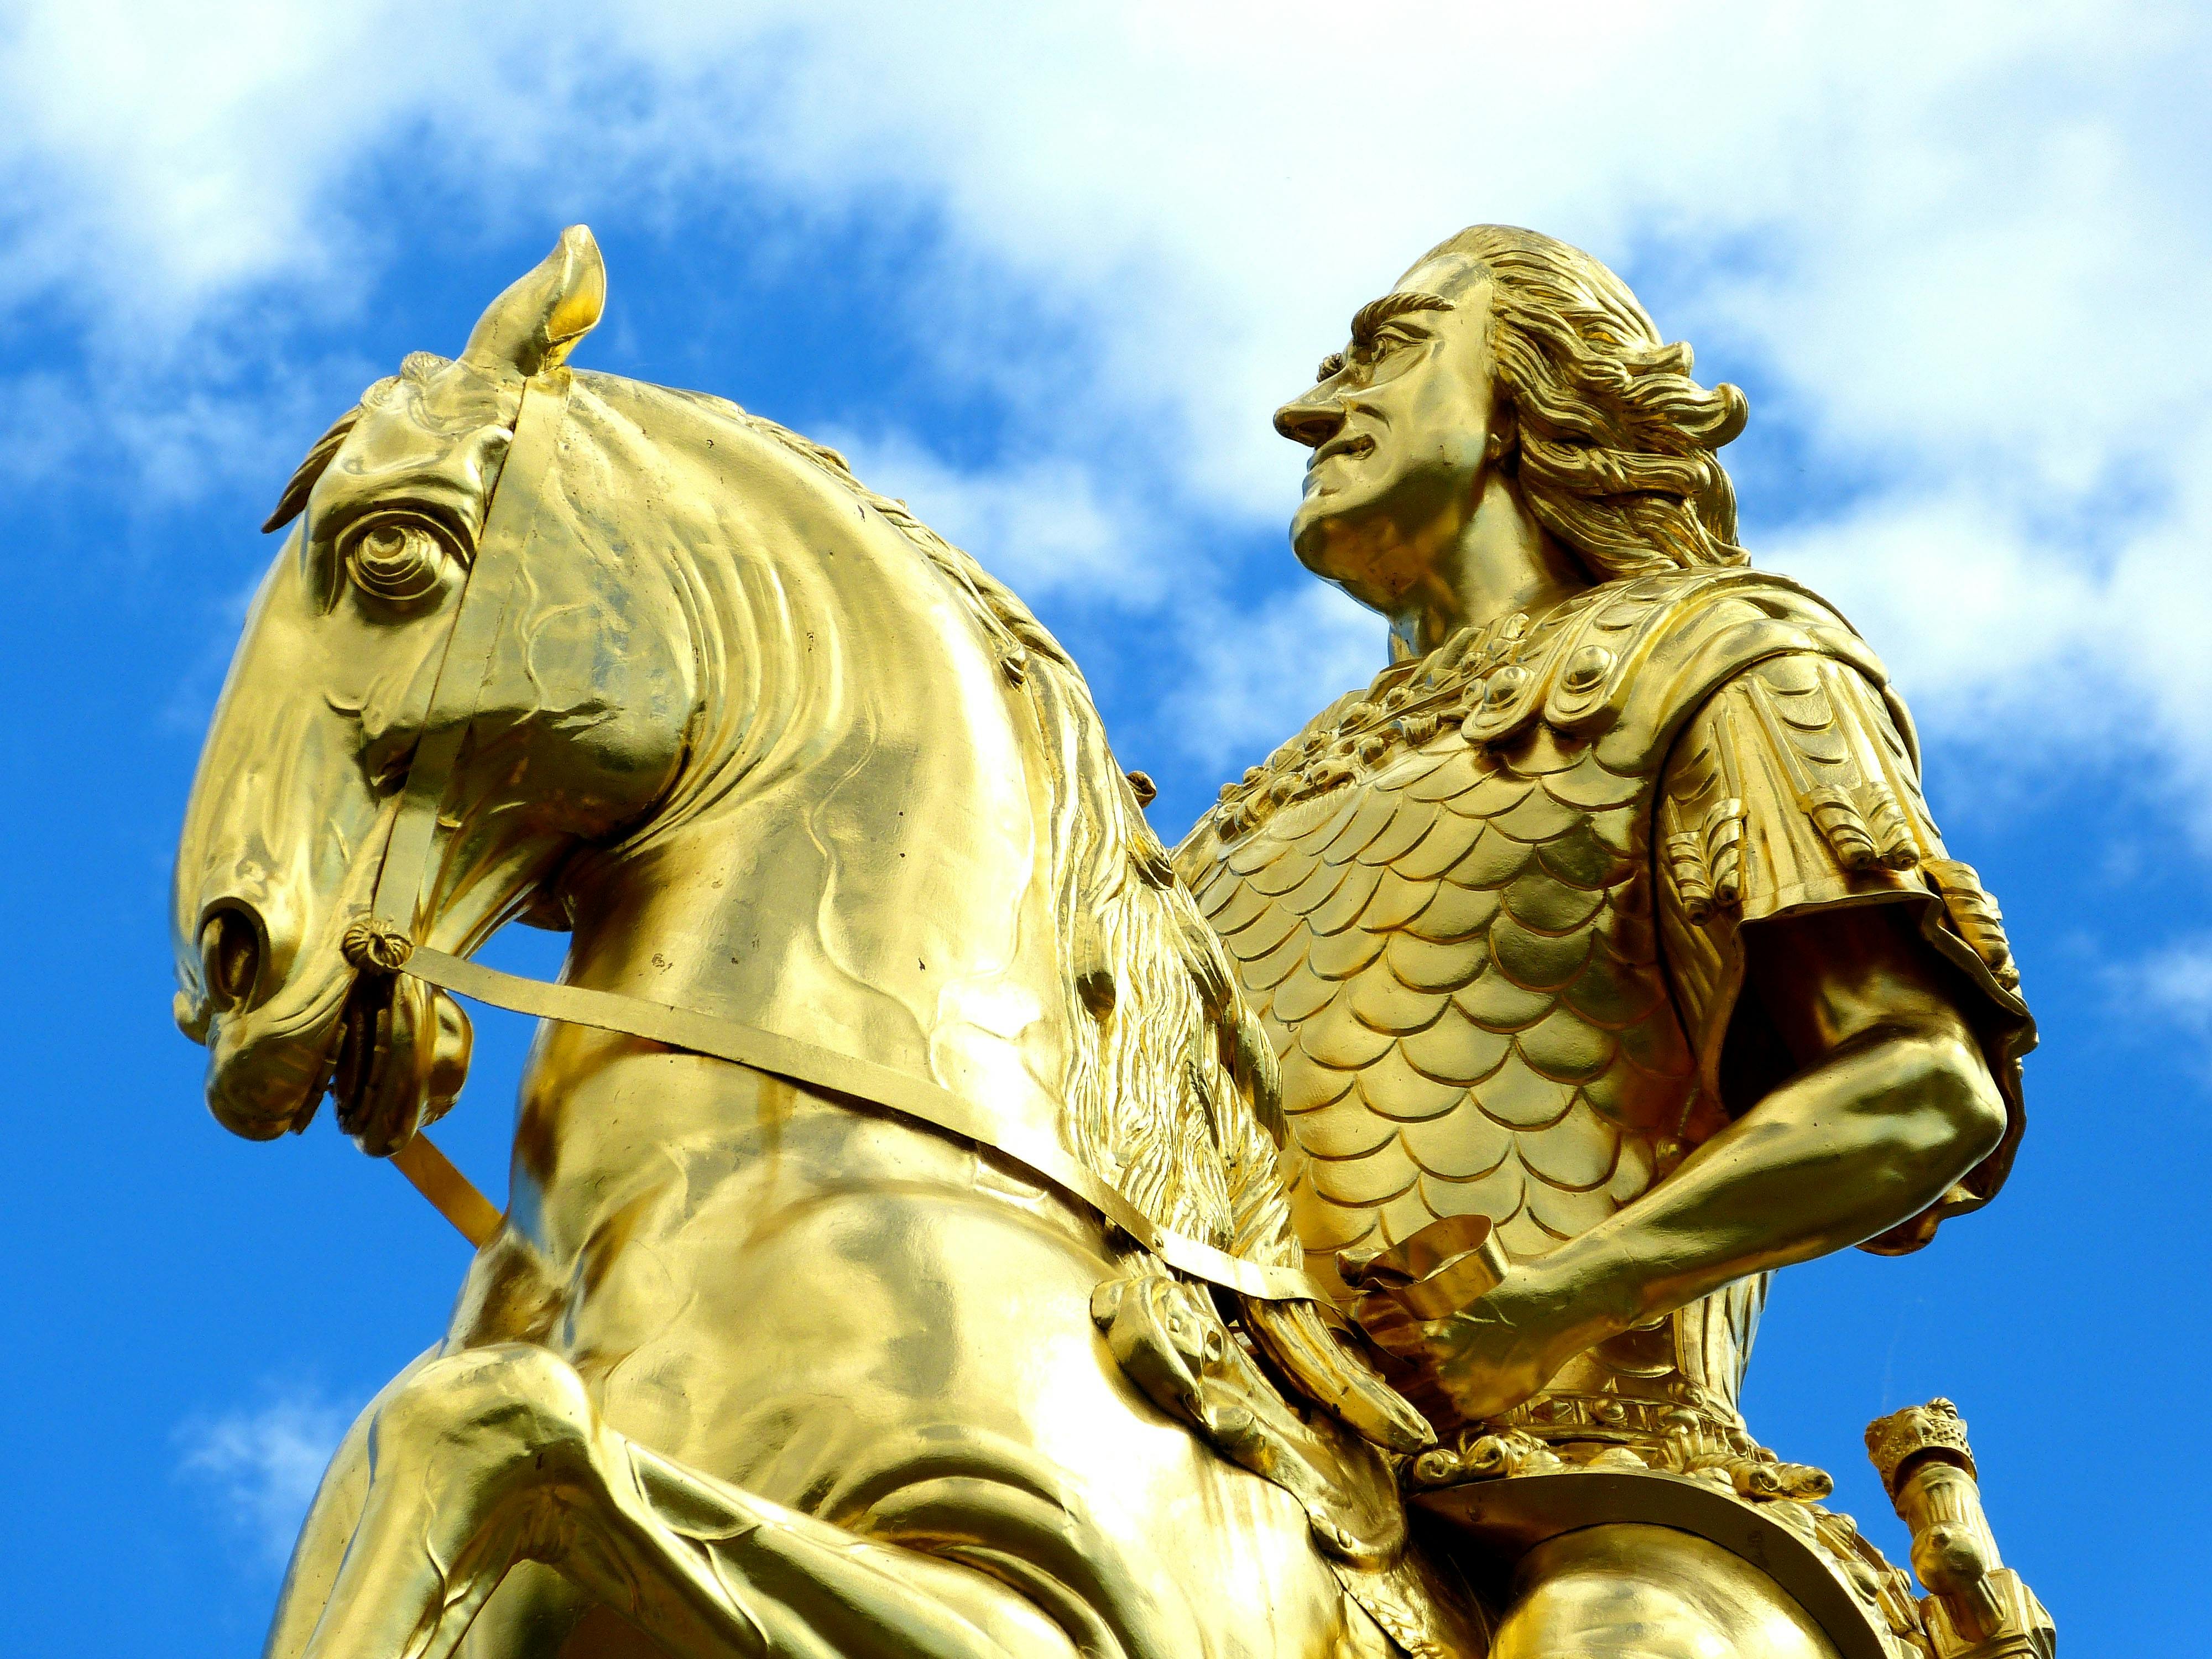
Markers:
(1045, 272)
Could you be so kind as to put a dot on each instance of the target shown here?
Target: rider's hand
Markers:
(1490, 1355)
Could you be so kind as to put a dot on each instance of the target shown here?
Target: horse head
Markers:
(580, 715)
(633, 663)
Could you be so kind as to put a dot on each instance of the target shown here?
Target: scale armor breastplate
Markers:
(1444, 901)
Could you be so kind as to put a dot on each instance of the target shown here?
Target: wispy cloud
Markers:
(261, 1465)
(1046, 525)
(2044, 647)
(2173, 982)
(1258, 672)
(1953, 270)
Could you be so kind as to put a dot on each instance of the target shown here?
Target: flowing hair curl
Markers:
(1614, 441)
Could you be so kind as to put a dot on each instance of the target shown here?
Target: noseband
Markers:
(383, 941)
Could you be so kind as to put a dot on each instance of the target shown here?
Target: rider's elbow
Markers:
(1953, 1114)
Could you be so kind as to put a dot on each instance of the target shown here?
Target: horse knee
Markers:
(474, 1417)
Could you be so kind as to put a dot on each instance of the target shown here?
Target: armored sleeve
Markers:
(1794, 787)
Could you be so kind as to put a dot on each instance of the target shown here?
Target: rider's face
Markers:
(1400, 427)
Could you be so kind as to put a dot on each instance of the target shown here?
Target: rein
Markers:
(383, 940)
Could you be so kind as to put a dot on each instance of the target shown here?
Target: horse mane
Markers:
(1172, 1092)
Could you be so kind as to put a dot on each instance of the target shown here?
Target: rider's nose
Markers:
(1310, 420)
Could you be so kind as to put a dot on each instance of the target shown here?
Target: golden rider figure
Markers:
(1610, 911)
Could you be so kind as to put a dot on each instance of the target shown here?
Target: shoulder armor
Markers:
(1623, 664)
(1629, 662)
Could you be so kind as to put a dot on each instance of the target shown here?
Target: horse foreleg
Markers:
(493, 1456)
(331, 1519)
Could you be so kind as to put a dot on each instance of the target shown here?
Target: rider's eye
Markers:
(1331, 367)
(397, 560)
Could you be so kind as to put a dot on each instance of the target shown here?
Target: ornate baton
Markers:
(1976, 1607)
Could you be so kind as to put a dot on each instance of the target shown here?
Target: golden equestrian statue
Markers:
(907, 1253)
(1614, 961)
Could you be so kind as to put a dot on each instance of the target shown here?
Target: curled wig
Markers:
(1614, 442)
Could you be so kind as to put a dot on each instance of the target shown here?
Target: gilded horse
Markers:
(753, 1365)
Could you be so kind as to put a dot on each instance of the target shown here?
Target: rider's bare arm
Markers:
(1848, 993)
(1892, 1103)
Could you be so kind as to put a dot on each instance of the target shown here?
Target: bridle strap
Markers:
(510, 516)
(868, 1085)
(462, 673)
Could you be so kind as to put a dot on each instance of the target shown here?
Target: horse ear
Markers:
(536, 322)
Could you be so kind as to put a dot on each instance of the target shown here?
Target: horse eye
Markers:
(397, 560)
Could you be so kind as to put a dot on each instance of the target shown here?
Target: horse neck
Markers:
(889, 841)
(859, 852)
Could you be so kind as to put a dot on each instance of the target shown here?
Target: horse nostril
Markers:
(230, 955)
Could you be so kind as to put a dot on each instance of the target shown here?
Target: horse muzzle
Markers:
(267, 1002)
(270, 1059)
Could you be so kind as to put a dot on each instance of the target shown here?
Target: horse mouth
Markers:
(276, 1021)
(391, 1051)
(266, 1077)
(265, 1084)
(273, 1050)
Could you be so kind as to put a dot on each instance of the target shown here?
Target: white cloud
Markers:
(1045, 526)
(2171, 984)
(1259, 673)
(2045, 647)
(1959, 250)
(264, 1465)
(2178, 980)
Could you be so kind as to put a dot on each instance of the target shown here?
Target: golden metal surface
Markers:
(1647, 1528)
(752, 1364)
(1436, 1271)
(451, 1194)
(1612, 913)
(1032, 1156)
(1978, 1608)
(917, 1211)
